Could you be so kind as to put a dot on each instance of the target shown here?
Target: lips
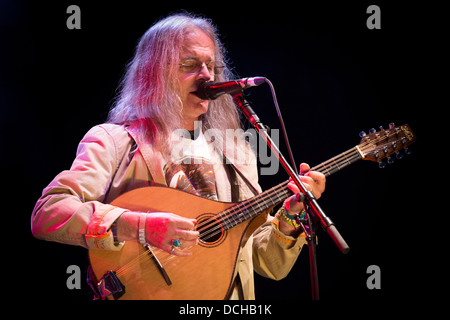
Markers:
(195, 93)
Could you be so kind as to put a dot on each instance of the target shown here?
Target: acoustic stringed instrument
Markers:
(146, 272)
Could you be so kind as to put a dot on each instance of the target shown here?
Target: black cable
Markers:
(286, 139)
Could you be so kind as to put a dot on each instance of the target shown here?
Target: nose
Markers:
(204, 73)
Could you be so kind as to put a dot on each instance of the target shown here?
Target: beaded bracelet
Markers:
(292, 220)
(298, 216)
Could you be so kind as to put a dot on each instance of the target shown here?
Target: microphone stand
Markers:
(313, 209)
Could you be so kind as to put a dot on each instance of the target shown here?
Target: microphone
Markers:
(212, 90)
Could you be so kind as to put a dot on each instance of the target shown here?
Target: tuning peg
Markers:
(391, 125)
(399, 155)
(362, 134)
(372, 130)
(391, 160)
(408, 151)
(381, 128)
(382, 164)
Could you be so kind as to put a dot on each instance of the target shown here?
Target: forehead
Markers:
(197, 44)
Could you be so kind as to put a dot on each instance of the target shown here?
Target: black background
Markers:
(333, 77)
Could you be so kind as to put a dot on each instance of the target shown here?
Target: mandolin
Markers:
(146, 272)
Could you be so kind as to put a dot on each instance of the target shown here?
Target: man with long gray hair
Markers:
(161, 133)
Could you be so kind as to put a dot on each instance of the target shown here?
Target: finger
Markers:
(306, 183)
(307, 180)
(187, 224)
(293, 187)
(182, 249)
(312, 186)
(319, 181)
(308, 187)
(187, 234)
(186, 244)
(304, 168)
(317, 176)
(179, 252)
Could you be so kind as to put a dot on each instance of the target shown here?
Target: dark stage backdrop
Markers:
(334, 77)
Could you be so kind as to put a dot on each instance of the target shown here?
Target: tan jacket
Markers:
(74, 208)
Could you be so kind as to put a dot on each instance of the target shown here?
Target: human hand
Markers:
(312, 180)
(162, 228)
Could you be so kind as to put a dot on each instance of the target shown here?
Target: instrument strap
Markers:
(232, 173)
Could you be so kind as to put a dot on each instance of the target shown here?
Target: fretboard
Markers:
(250, 208)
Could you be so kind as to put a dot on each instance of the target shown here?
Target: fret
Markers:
(259, 209)
(326, 172)
(233, 221)
(225, 218)
(339, 162)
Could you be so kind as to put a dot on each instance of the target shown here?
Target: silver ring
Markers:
(173, 248)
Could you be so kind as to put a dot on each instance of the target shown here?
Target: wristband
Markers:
(142, 220)
(301, 215)
(113, 229)
(292, 221)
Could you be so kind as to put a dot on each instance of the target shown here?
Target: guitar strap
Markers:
(231, 171)
(233, 181)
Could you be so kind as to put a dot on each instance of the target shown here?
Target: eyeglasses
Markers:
(194, 66)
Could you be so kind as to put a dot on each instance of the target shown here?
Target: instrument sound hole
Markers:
(211, 230)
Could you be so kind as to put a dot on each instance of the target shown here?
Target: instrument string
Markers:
(212, 226)
(336, 163)
(232, 216)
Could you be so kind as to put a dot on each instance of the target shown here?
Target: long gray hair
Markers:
(149, 90)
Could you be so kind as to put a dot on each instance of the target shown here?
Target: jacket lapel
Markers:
(153, 159)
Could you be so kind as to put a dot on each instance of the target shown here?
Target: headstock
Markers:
(376, 146)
